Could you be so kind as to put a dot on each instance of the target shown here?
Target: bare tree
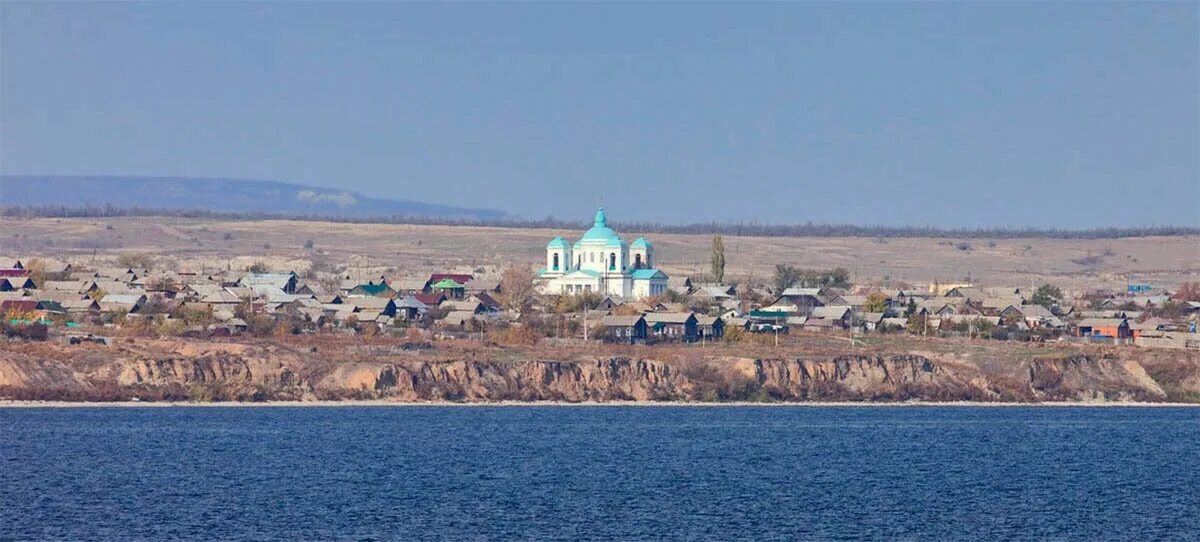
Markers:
(517, 287)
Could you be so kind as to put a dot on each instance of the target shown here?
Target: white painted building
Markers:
(601, 262)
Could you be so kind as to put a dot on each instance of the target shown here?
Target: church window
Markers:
(637, 261)
(612, 261)
(555, 268)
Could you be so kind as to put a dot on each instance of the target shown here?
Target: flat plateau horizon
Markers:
(370, 249)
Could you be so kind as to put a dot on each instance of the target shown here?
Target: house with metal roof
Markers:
(130, 303)
(680, 326)
(798, 301)
(408, 285)
(375, 289)
(1115, 328)
(624, 328)
(283, 281)
(8, 284)
(837, 316)
(461, 278)
(601, 262)
(458, 319)
(450, 287)
(710, 328)
(409, 308)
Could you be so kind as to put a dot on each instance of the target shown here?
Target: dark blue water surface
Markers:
(627, 473)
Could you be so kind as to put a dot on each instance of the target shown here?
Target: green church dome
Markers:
(600, 230)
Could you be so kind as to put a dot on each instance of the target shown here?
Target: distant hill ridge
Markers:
(219, 195)
(232, 199)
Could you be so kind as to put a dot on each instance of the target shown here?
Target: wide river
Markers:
(599, 473)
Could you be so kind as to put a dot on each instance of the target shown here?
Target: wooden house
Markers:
(1115, 328)
(678, 326)
(710, 328)
(624, 329)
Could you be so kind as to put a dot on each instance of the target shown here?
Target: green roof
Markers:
(373, 289)
(600, 230)
(447, 284)
(640, 242)
(647, 273)
(557, 242)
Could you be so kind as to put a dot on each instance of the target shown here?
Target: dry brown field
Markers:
(368, 249)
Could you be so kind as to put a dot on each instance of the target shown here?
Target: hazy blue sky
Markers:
(948, 114)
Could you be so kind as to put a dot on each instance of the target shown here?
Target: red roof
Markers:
(13, 272)
(487, 300)
(456, 277)
(430, 299)
(23, 305)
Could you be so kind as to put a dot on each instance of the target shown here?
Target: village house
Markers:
(27, 309)
(410, 308)
(431, 299)
(624, 328)
(1034, 316)
(607, 304)
(380, 305)
(677, 326)
(714, 293)
(871, 321)
(459, 320)
(408, 286)
(15, 295)
(854, 301)
(797, 301)
(373, 289)
(13, 272)
(1113, 328)
(681, 285)
(484, 298)
(462, 305)
(839, 316)
(449, 287)
(81, 306)
(709, 328)
(482, 285)
(128, 303)
(283, 281)
(8, 284)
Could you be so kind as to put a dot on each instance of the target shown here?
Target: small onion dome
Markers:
(641, 242)
(557, 242)
(600, 230)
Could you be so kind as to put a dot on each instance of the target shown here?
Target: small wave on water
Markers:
(583, 473)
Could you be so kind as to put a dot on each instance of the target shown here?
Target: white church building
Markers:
(601, 262)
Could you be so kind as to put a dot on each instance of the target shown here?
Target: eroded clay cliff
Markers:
(177, 371)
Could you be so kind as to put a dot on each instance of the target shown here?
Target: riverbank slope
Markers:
(336, 370)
